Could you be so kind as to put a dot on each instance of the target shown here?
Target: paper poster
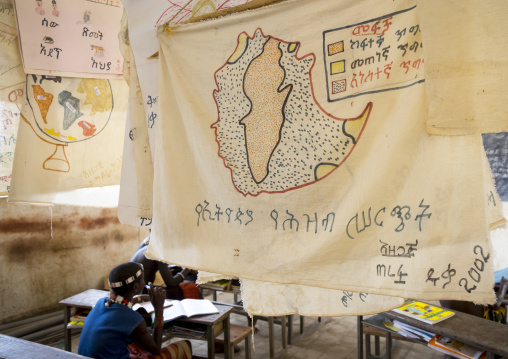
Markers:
(264, 173)
(73, 38)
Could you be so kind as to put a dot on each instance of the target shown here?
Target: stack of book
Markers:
(431, 314)
(409, 331)
(455, 348)
(78, 319)
(424, 312)
(186, 332)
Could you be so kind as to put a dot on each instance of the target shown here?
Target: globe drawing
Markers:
(65, 111)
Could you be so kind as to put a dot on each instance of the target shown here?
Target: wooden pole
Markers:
(255, 4)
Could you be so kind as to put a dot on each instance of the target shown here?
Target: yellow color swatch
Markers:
(337, 67)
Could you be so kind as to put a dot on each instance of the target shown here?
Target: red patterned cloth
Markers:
(178, 350)
(190, 290)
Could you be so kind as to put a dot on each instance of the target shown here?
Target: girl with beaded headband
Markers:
(112, 324)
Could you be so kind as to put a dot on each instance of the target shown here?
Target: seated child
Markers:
(112, 324)
(175, 288)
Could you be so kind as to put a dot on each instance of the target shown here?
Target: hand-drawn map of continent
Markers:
(272, 133)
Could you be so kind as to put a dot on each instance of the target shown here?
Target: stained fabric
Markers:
(12, 86)
(296, 152)
(141, 39)
(69, 144)
(465, 67)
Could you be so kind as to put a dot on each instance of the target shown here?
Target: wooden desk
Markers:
(239, 310)
(87, 300)
(478, 332)
(15, 348)
(216, 324)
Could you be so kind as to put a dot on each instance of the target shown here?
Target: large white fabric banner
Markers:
(295, 152)
(466, 67)
(137, 159)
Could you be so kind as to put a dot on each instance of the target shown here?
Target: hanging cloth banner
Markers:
(297, 153)
(275, 299)
(142, 36)
(12, 84)
(466, 70)
(137, 171)
(70, 138)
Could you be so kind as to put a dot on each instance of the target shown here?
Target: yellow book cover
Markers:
(424, 312)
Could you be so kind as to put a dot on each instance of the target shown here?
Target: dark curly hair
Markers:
(120, 273)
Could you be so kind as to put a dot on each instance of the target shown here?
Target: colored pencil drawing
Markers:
(65, 111)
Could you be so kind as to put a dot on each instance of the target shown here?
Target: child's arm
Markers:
(152, 342)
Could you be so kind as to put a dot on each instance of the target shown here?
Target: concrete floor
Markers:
(332, 338)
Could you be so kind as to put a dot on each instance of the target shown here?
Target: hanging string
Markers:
(251, 5)
(51, 214)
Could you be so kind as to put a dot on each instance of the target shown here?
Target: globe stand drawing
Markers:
(58, 160)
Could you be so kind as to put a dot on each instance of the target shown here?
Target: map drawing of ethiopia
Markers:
(66, 110)
(272, 133)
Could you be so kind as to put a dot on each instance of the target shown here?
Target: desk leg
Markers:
(388, 352)
(211, 341)
(228, 350)
(359, 330)
(367, 346)
(290, 328)
(283, 327)
(302, 320)
(67, 332)
(270, 337)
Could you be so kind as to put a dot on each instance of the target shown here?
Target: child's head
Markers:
(123, 278)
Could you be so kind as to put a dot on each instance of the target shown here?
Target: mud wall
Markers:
(49, 253)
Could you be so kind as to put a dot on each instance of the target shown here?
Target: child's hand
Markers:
(157, 297)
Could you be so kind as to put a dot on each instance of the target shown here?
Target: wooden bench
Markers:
(11, 348)
(237, 334)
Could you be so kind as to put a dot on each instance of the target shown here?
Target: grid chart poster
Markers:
(70, 37)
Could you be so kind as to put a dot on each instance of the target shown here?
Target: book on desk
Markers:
(424, 312)
(78, 319)
(174, 309)
(455, 348)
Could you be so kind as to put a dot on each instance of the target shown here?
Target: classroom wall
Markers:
(49, 253)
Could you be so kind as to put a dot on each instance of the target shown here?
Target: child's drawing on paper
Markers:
(99, 50)
(65, 111)
(86, 18)
(272, 134)
(55, 10)
(39, 10)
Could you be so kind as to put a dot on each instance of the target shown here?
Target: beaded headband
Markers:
(128, 280)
